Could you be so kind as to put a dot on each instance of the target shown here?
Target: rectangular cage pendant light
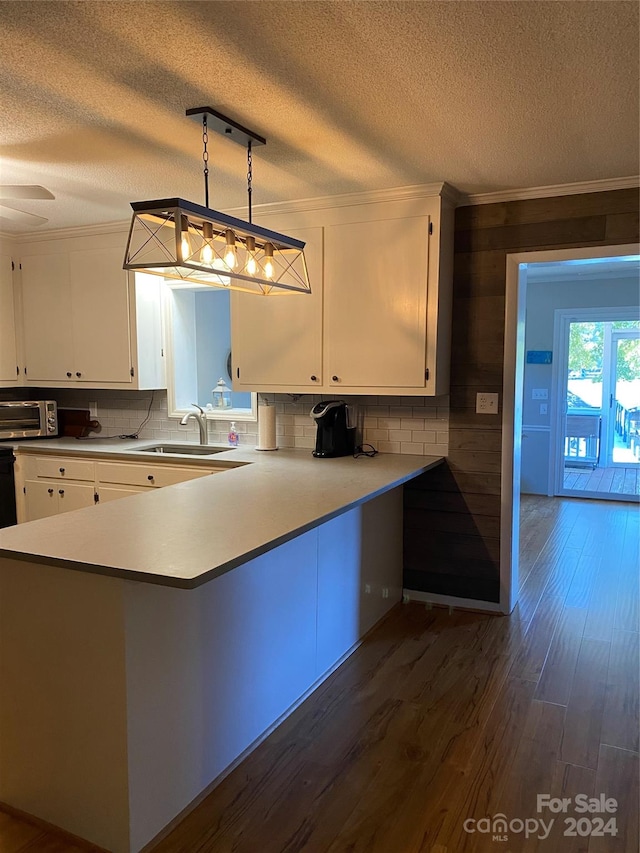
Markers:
(180, 240)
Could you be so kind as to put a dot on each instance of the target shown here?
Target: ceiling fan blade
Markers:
(24, 191)
(20, 217)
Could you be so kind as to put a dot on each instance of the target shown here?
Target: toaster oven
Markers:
(28, 419)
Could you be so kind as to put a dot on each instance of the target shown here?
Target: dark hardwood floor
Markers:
(444, 718)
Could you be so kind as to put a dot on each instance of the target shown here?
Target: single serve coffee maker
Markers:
(336, 434)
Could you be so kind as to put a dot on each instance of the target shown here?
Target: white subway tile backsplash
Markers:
(423, 436)
(400, 435)
(412, 447)
(417, 425)
(389, 423)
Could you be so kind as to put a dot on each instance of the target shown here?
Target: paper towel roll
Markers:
(267, 428)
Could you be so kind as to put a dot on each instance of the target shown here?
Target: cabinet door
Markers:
(8, 353)
(114, 493)
(41, 499)
(376, 302)
(46, 311)
(75, 496)
(100, 316)
(277, 339)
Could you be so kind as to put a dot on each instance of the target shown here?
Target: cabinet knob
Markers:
(150, 477)
(335, 379)
(50, 491)
(69, 373)
(61, 470)
(78, 374)
(61, 491)
(314, 378)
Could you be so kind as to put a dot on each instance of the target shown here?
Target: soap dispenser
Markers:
(233, 435)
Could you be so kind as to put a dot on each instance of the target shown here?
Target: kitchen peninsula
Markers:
(148, 643)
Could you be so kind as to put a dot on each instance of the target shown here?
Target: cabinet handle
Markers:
(50, 491)
(314, 378)
(69, 374)
(335, 379)
(61, 491)
(78, 374)
(61, 470)
(150, 477)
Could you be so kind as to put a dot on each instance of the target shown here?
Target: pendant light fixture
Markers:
(180, 240)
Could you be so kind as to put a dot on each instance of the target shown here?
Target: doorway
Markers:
(594, 442)
(513, 384)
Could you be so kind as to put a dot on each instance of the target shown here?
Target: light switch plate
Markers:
(486, 404)
(540, 394)
(543, 408)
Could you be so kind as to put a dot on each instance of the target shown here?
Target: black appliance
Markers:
(335, 437)
(7, 488)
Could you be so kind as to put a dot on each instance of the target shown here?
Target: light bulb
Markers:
(230, 254)
(185, 243)
(252, 265)
(268, 260)
(206, 254)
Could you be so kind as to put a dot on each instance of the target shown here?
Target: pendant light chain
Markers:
(249, 175)
(205, 159)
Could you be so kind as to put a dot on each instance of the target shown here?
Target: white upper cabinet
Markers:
(376, 303)
(9, 370)
(277, 340)
(100, 316)
(87, 323)
(379, 317)
(46, 316)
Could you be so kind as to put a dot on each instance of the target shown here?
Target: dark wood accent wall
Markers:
(452, 514)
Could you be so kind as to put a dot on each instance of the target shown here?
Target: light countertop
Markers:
(189, 533)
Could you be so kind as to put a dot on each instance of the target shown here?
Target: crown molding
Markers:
(73, 232)
(632, 182)
(446, 191)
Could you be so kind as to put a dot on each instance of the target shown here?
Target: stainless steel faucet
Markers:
(202, 422)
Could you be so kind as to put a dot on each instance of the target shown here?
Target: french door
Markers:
(596, 401)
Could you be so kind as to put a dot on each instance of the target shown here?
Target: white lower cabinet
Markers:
(48, 497)
(48, 485)
(114, 493)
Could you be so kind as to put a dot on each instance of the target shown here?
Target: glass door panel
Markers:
(583, 405)
(624, 398)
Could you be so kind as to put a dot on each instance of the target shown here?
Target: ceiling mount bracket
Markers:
(226, 126)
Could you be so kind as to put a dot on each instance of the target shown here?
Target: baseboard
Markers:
(451, 601)
(67, 837)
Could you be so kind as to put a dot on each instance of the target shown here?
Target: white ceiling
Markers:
(350, 95)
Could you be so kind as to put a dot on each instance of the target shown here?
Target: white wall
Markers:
(543, 298)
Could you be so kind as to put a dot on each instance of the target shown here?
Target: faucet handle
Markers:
(200, 409)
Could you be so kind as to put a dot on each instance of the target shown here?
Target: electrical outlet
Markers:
(385, 592)
(367, 589)
(93, 410)
(486, 404)
(540, 394)
(543, 408)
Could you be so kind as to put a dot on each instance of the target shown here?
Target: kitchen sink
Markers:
(188, 449)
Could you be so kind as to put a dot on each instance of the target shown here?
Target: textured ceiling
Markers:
(350, 96)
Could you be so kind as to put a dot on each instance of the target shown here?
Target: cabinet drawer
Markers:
(146, 475)
(65, 469)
